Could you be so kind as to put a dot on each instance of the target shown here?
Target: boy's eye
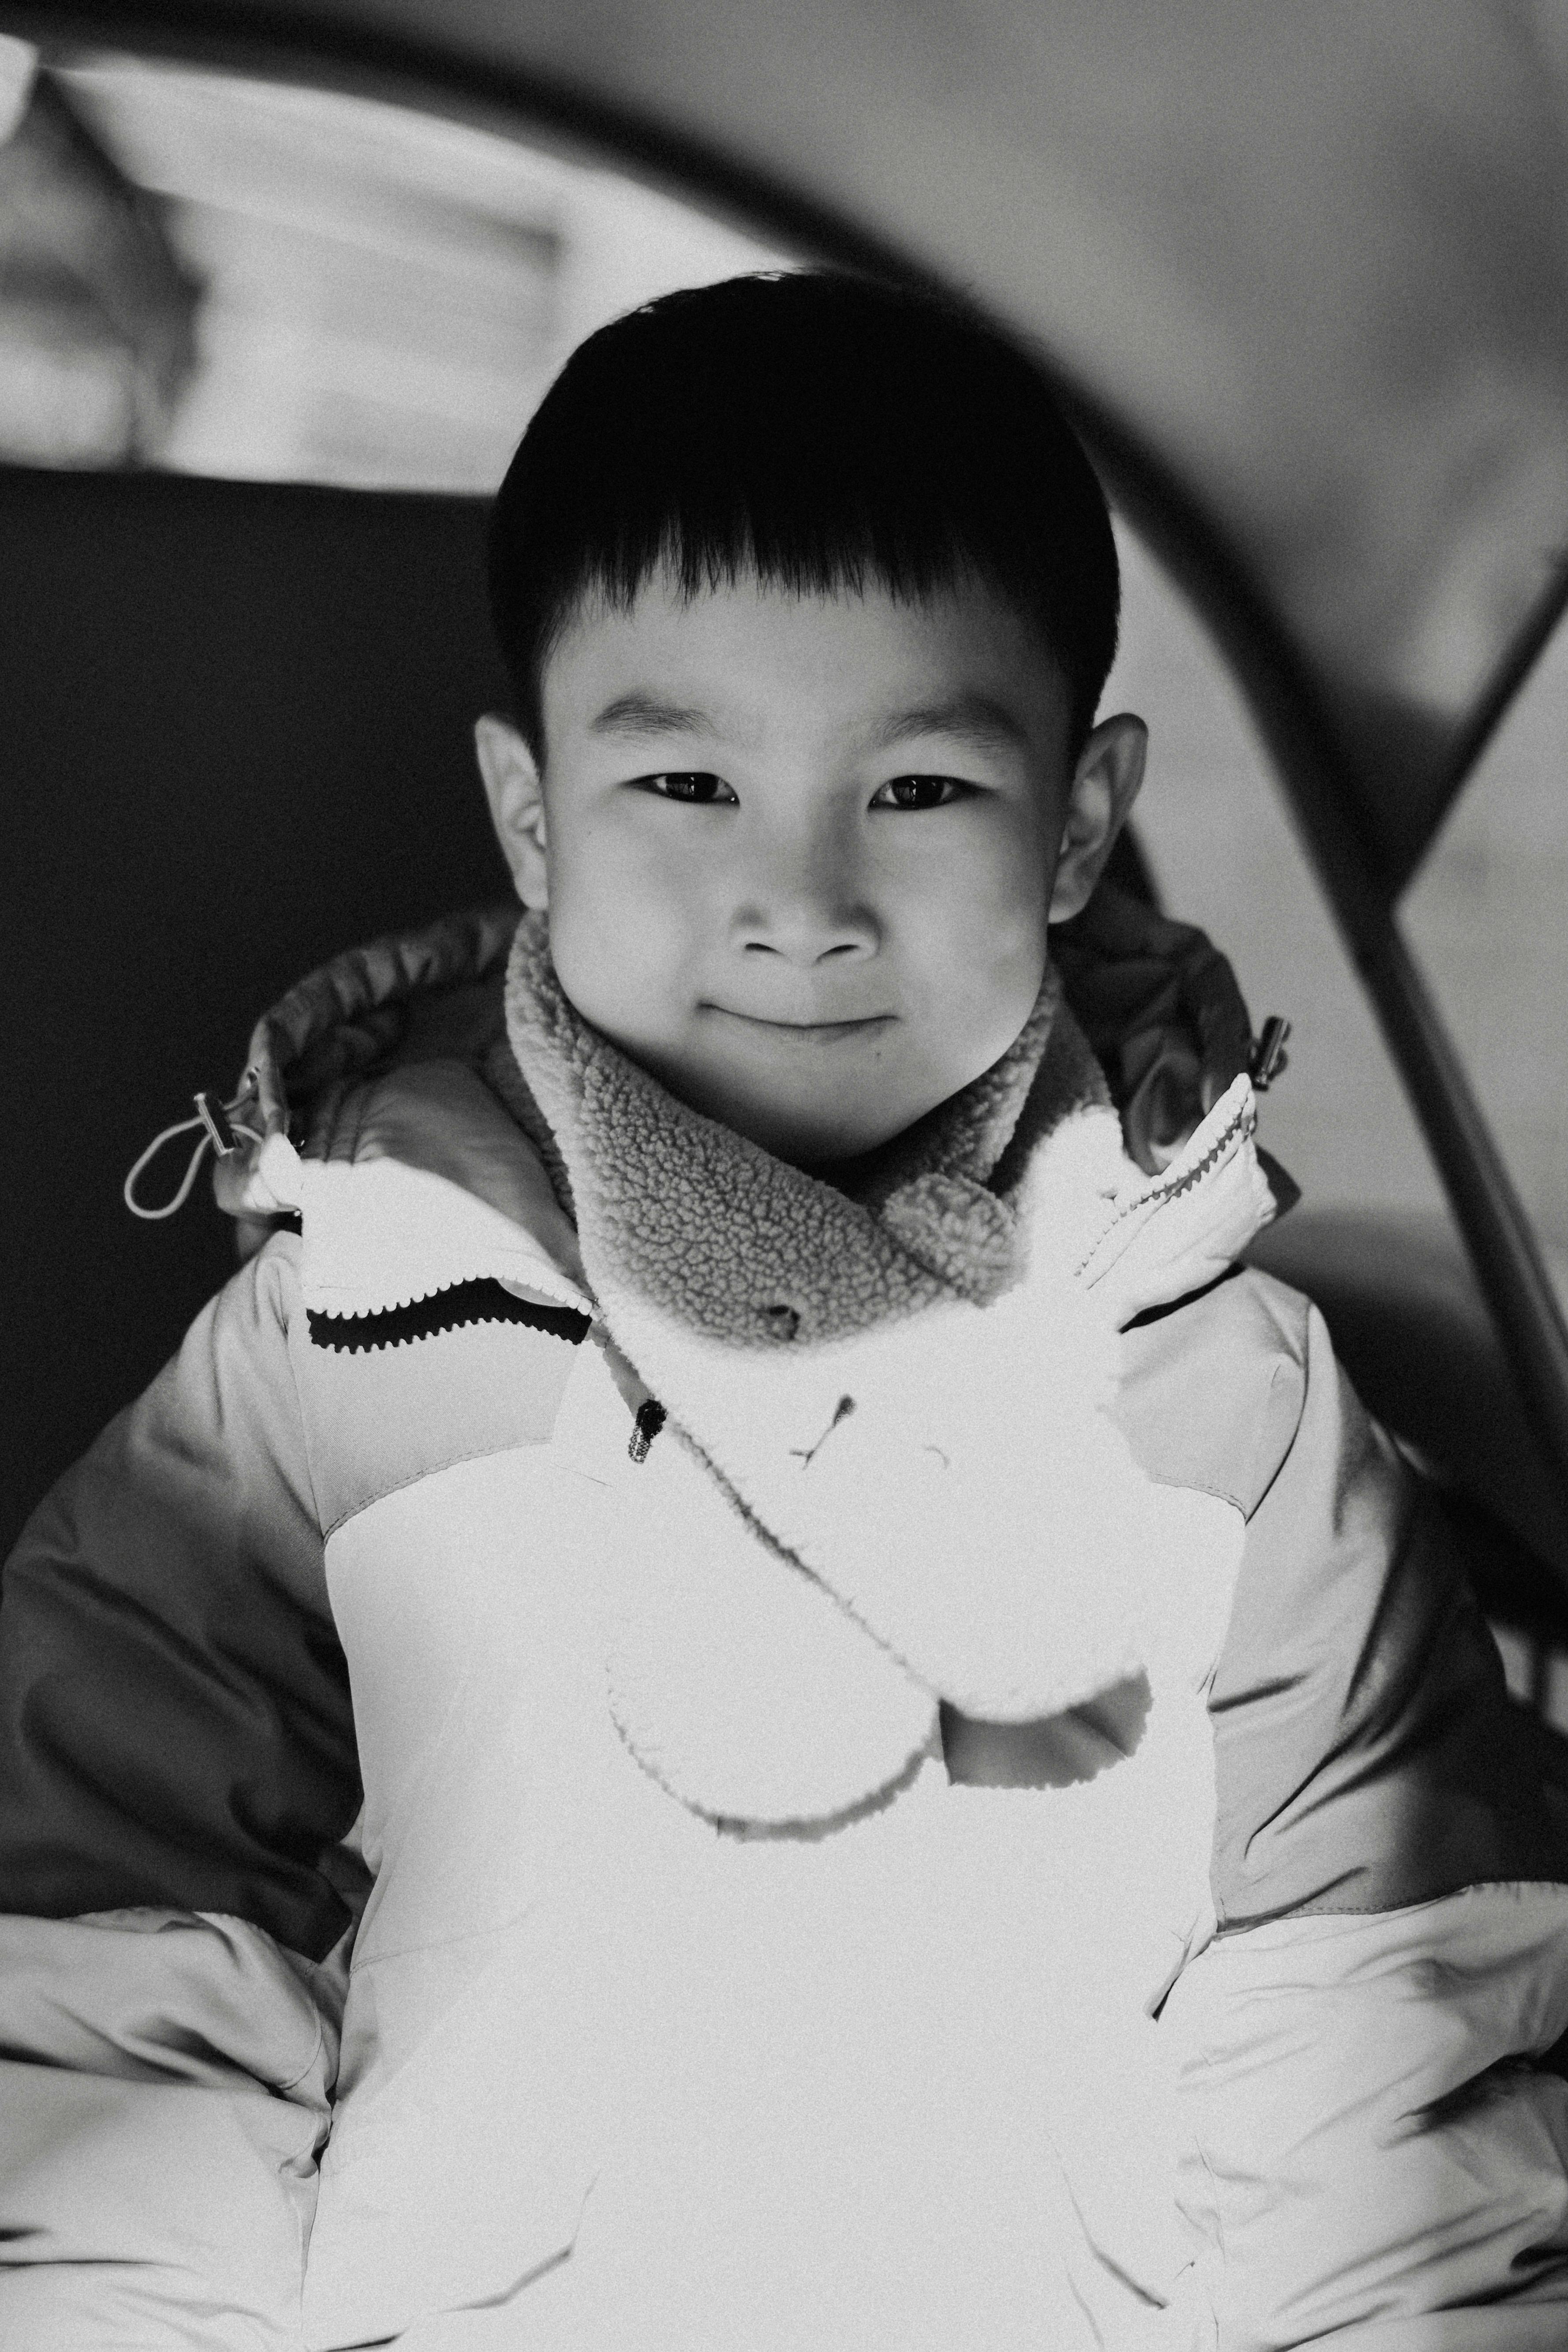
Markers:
(918, 792)
(688, 784)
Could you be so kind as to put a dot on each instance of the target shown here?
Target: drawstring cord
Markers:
(220, 1129)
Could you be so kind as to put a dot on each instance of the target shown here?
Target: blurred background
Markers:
(235, 278)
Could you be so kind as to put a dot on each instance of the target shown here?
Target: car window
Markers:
(1486, 916)
(238, 278)
(1213, 825)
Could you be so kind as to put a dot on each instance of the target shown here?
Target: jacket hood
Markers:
(394, 1060)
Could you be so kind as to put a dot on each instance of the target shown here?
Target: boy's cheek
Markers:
(980, 964)
(994, 890)
(632, 889)
(619, 958)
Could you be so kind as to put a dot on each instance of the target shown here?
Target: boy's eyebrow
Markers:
(647, 714)
(976, 718)
(971, 716)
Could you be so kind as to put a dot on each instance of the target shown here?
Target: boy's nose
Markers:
(807, 910)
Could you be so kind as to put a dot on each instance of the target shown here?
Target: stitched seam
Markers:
(294, 2082)
(431, 1470)
(284, 1327)
(1184, 1485)
(1300, 1911)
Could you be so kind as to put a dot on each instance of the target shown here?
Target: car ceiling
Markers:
(1305, 269)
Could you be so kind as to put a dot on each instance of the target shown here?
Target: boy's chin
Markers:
(822, 1146)
(823, 1136)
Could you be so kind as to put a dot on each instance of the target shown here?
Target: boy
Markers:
(926, 1776)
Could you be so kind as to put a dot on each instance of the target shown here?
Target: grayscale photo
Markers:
(785, 872)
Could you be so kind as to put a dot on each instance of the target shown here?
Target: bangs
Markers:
(821, 434)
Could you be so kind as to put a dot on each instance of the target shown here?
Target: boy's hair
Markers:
(823, 431)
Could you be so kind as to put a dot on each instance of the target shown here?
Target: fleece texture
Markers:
(750, 1251)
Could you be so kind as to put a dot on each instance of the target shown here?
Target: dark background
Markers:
(235, 720)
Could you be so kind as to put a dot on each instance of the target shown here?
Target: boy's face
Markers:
(800, 851)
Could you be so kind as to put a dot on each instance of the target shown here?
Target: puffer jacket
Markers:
(533, 1816)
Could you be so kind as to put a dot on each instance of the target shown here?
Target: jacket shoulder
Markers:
(1213, 1386)
(391, 1397)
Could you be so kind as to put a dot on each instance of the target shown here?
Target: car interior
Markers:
(238, 715)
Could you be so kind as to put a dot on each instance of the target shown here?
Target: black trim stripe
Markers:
(480, 1301)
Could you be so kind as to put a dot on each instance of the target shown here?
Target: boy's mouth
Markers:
(807, 1029)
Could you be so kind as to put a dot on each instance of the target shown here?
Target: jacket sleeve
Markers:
(177, 1768)
(1373, 2155)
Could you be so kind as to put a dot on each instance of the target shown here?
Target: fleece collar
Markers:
(749, 1251)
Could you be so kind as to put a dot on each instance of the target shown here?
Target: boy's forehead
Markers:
(738, 658)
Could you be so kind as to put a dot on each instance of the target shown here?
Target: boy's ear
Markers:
(1104, 786)
(515, 791)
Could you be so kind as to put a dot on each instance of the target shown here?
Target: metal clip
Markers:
(649, 1421)
(215, 1118)
(1269, 1059)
